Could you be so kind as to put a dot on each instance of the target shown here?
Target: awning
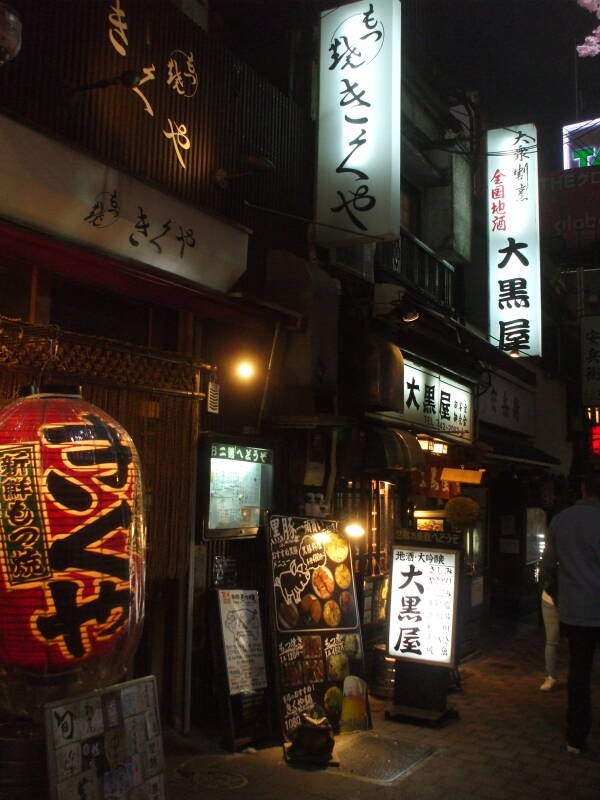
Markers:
(520, 453)
(393, 448)
(19, 244)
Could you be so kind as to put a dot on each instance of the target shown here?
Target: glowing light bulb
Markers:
(245, 370)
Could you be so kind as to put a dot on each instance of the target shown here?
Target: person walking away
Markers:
(573, 553)
(551, 621)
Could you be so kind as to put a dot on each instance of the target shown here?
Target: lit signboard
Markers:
(358, 185)
(514, 240)
(423, 605)
(435, 403)
(241, 481)
(581, 144)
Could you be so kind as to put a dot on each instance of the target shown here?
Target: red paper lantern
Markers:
(72, 545)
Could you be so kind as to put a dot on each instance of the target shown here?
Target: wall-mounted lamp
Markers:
(10, 33)
(435, 446)
(354, 530)
(410, 314)
(255, 166)
(245, 370)
(514, 352)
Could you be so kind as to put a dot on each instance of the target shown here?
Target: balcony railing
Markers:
(414, 264)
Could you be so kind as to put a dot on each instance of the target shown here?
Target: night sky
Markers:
(521, 55)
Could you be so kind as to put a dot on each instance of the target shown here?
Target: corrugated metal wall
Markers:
(229, 113)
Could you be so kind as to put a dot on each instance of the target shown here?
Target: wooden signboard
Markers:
(107, 744)
(318, 641)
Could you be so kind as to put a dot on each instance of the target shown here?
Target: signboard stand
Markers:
(317, 646)
(420, 692)
(422, 631)
(239, 667)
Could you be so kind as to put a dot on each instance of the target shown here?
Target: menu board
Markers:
(242, 641)
(240, 489)
(318, 639)
(106, 744)
(423, 605)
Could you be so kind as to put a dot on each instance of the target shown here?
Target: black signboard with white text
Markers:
(423, 605)
(319, 651)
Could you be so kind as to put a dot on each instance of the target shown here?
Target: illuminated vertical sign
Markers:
(358, 182)
(514, 240)
(423, 605)
(581, 144)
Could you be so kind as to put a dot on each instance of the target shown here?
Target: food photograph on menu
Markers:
(319, 644)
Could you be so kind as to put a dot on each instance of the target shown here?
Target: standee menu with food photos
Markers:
(319, 647)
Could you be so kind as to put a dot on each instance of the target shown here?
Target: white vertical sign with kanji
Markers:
(423, 605)
(358, 170)
(514, 240)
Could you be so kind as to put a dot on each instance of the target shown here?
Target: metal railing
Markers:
(415, 264)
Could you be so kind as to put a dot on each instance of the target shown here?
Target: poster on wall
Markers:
(242, 641)
(106, 744)
(318, 641)
(423, 605)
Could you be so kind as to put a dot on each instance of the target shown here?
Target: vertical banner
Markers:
(358, 181)
(423, 605)
(319, 651)
(590, 361)
(514, 240)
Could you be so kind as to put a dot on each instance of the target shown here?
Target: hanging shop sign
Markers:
(590, 360)
(358, 182)
(435, 403)
(63, 192)
(319, 650)
(106, 744)
(581, 144)
(240, 489)
(508, 405)
(423, 605)
(72, 542)
(513, 240)
(242, 641)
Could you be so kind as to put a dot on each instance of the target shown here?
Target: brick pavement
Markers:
(508, 742)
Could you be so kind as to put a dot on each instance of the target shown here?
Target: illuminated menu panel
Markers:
(241, 479)
(423, 605)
